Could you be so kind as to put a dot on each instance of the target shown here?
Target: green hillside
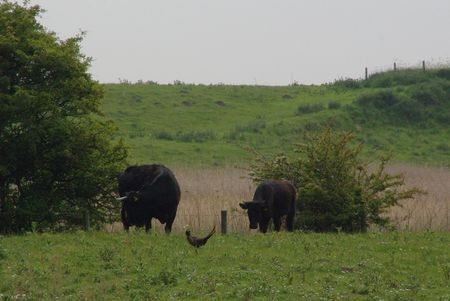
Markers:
(405, 112)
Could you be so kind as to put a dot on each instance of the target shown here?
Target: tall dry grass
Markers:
(205, 192)
(430, 211)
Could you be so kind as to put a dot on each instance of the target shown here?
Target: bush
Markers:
(309, 108)
(333, 105)
(380, 99)
(398, 78)
(412, 111)
(443, 73)
(347, 83)
(195, 136)
(424, 105)
(255, 126)
(429, 94)
(163, 135)
(336, 189)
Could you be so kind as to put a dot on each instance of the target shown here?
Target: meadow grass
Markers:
(275, 266)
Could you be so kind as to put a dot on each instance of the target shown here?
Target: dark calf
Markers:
(273, 199)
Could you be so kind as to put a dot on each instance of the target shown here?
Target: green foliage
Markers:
(383, 99)
(443, 73)
(434, 94)
(57, 161)
(423, 104)
(275, 266)
(333, 105)
(255, 126)
(337, 190)
(195, 136)
(310, 108)
(347, 83)
(399, 78)
(189, 136)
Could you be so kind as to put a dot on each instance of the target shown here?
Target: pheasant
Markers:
(198, 241)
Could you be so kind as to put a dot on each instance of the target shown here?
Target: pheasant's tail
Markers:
(212, 232)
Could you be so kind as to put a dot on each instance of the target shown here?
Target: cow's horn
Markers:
(121, 198)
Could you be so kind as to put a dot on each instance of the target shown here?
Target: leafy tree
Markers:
(57, 158)
(336, 189)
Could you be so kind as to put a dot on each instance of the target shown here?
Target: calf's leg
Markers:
(148, 225)
(277, 223)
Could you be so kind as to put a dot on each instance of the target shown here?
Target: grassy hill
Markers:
(405, 112)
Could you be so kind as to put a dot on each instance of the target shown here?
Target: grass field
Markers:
(283, 266)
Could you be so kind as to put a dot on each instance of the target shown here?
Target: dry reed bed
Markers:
(205, 192)
(430, 211)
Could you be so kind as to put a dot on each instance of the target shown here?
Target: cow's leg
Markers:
(263, 228)
(264, 224)
(126, 227)
(168, 227)
(148, 225)
(123, 215)
(277, 223)
(290, 222)
(169, 222)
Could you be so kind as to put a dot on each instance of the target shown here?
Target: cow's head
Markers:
(255, 210)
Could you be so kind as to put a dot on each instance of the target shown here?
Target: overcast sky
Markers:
(270, 42)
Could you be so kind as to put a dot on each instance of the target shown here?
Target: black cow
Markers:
(148, 191)
(272, 199)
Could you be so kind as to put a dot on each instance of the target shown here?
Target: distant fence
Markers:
(424, 65)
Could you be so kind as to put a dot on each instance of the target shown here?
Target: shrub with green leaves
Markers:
(309, 108)
(333, 105)
(336, 189)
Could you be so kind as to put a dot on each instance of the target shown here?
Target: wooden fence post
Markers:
(395, 66)
(366, 73)
(423, 65)
(223, 221)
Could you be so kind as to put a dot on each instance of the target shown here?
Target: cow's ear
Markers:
(243, 205)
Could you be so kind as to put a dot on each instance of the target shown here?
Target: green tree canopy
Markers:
(57, 155)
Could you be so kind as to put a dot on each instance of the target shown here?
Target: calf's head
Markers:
(255, 210)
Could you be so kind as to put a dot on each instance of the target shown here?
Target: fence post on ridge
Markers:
(366, 73)
(223, 221)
